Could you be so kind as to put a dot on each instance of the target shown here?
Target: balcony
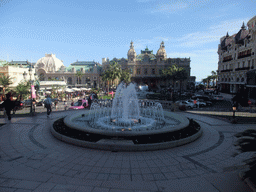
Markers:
(226, 70)
(242, 68)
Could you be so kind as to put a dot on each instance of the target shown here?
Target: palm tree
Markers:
(204, 81)
(125, 76)
(115, 71)
(106, 77)
(170, 73)
(214, 77)
(208, 80)
(5, 81)
(79, 74)
(22, 89)
(181, 75)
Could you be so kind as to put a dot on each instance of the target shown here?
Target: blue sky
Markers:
(90, 30)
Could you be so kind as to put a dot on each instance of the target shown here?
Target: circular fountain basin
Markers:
(81, 121)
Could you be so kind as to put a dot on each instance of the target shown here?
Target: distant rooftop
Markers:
(84, 63)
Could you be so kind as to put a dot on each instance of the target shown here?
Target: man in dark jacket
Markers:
(8, 104)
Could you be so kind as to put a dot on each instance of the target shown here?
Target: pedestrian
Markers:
(48, 105)
(56, 103)
(89, 101)
(8, 104)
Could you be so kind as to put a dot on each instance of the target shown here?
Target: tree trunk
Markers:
(180, 86)
(108, 87)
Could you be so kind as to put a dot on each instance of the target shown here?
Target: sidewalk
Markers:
(33, 160)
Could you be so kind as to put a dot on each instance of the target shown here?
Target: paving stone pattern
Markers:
(33, 160)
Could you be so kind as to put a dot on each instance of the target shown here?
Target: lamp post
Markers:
(234, 111)
(31, 83)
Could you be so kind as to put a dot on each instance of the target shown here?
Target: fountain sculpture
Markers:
(129, 121)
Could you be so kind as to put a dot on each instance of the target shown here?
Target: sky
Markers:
(86, 30)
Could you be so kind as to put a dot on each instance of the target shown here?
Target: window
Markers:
(145, 71)
(249, 63)
(243, 64)
(153, 71)
(69, 80)
(160, 71)
(138, 71)
(238, 65)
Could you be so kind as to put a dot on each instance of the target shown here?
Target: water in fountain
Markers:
(127, 113)
(125, 106)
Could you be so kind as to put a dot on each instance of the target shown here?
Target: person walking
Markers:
(8, 104)
(48, 105)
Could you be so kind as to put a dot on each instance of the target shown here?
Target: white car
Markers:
(200, 103)
(187, 104)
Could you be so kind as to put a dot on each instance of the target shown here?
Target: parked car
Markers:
(198, 102)
(204, 99)
(217, 98)
(187, 104)
(143, 94)
(80, 104)
(27, 103)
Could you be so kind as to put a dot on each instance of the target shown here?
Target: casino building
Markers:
(146, 67)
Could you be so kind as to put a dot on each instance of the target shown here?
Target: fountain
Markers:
(128, 121)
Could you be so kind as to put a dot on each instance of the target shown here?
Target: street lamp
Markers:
(31, 83)
(234, 111)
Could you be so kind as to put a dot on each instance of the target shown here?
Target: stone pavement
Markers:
(33, 160)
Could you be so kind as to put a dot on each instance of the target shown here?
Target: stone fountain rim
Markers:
(184, 122)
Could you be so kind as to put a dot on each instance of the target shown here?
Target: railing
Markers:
(226, 70)
(242, 68)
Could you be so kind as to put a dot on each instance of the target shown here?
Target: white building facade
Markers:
(237, 56)
(52, 68)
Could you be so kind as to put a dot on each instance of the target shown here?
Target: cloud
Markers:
(212, 34)
(170, 7)
(173, 7)
(198, 39)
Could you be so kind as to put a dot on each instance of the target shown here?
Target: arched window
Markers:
(69, 80)
(41, 77)
(78, 80)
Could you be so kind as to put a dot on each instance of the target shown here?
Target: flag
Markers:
(33, 91)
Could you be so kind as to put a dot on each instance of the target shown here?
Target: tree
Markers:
(214, 78)
(204, 81)
(125, 76)
(181, 75)
(22, 89)
(170, 73)
(115, 71)
(106, 77)
(79, 74)
(5, 81)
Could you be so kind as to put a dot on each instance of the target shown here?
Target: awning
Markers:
(251, 86)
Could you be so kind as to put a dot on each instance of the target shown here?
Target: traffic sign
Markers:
(195, 101)
(249, 102)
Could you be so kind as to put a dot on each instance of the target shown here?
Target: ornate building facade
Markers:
(52, 68)
(147, 67)
(237, 57)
